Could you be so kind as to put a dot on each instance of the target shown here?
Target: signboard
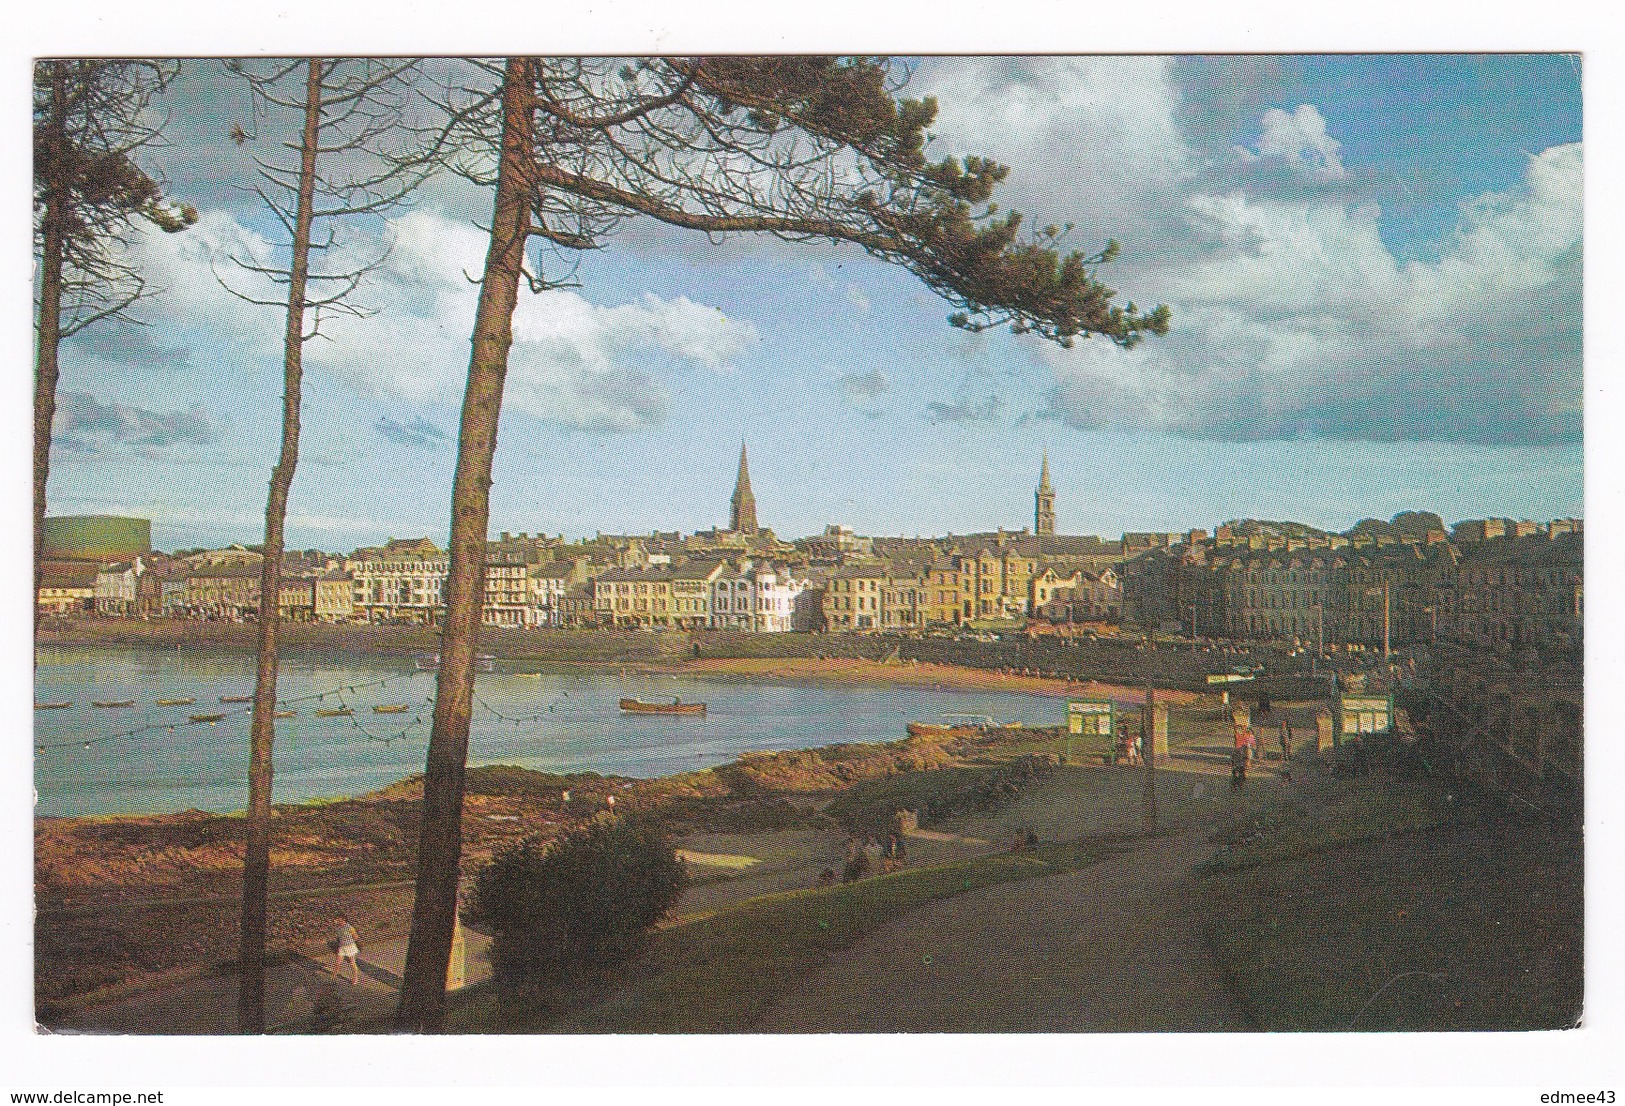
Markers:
(1366, 713)
(1227, 678)
(1091, 717)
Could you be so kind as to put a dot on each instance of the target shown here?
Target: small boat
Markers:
(53, 706)
(430, 662)
(283, 713)
(391, 708)
(676, 706)
(175, 702)
(236, 698)
(112, 702)
(335, 712)
(211, 719)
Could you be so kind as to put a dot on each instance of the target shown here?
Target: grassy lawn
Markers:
(716, 974)
(1287, 824)
(869, 806)
(1388, 907)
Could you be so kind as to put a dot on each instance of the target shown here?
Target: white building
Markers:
(759, 597)
(507, 592)
(692, 586)
(116, 588)
(547, 585)
(403, 581)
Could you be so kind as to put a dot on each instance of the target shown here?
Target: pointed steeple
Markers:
(1044, 502)
(742, 517)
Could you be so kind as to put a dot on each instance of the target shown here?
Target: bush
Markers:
(587, 899)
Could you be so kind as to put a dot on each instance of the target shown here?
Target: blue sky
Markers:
(1374, 265)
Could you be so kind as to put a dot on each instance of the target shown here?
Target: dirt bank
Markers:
(125, 898)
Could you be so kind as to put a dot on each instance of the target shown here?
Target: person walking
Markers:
(347, 950)
(1286, 741)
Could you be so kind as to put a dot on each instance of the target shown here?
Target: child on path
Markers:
(347, 950)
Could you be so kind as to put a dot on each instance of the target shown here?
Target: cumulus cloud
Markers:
(866, 385)
(1090, 141)
(964, 411)
(1297, 320)
(420, 433)
(190, 308)
(573, 362)
(1291, 314)
(1299, 140)
(86, 426)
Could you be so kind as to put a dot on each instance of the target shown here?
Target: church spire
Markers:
(742, 517)
(1044, 502)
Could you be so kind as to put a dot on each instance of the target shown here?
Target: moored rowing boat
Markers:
(63, 705)
(175, 702)
(236, 698)
(391, 708)
(676, 706)
(211, 719)
(113, 703)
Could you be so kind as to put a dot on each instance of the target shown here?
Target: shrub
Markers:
(587, 899)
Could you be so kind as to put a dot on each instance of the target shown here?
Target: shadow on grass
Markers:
(1397, 906)
(717, 974)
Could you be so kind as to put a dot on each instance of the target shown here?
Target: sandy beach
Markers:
(924, 674)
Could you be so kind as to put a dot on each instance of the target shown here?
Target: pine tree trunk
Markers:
(434, 910)
(262, 731)
(49, 337)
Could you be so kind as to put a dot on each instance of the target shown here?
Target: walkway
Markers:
(1112, 947)
(299, 995)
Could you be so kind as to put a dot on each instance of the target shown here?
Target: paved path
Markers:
(1065, 954)
(297, 994)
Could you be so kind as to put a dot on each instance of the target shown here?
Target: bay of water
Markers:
(135, 763)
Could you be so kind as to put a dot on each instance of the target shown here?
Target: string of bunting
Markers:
(518, 720)
(386, 739)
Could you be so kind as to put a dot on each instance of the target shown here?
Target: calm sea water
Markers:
(136, 763)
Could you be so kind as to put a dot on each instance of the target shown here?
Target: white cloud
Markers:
(1090, 141)
(1291, 313)
(573, 362)
(1300, 141)
(1295, 318)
